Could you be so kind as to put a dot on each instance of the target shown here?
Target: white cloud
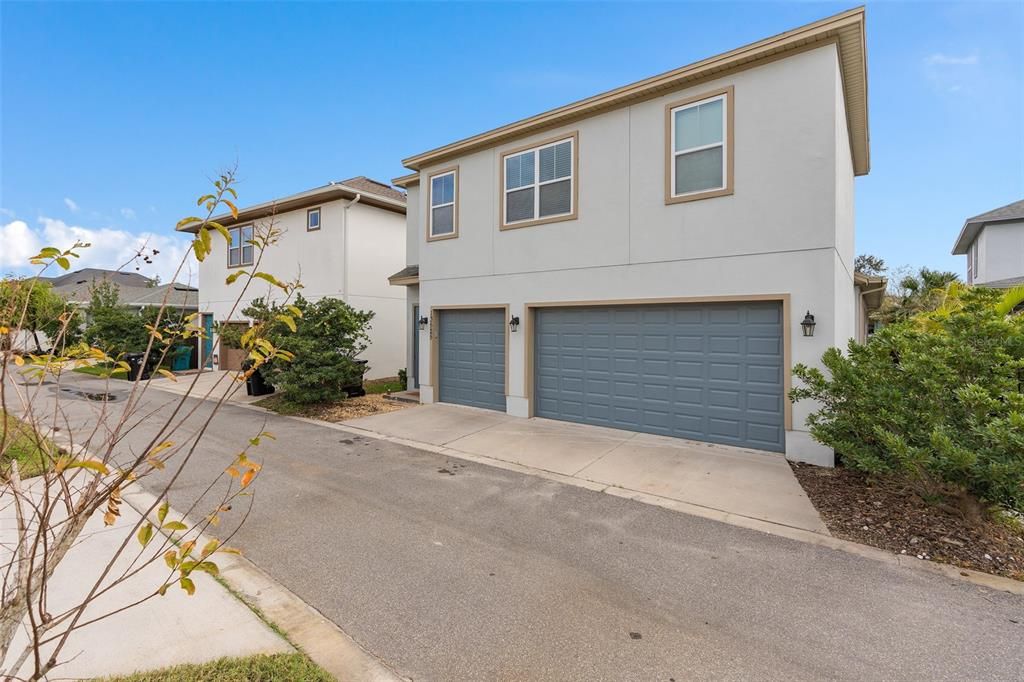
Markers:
(951, 60)
(128, 214)
(18, 243)
(6, 212)
(110, 248)
(952, 73)
(70, 203)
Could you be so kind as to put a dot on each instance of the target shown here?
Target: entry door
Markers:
(710, 372)
(471, 358)
(415, 346)
(207, 340)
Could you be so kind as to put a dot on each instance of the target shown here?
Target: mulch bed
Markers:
(335, 411)
(887, 515)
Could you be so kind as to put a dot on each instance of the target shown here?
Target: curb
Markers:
(967, 575)
(307, 629)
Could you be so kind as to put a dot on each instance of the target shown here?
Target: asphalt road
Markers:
(451, 570)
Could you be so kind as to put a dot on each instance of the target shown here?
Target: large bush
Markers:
(112, 326)
(935, 400)
(329, 335)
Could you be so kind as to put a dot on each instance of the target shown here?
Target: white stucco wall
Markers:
(1001, 252)
(376, 249)
(786, 230)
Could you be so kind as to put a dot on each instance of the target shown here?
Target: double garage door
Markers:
(710, 372)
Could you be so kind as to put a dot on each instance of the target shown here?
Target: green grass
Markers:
(22, 447)
(260, 668)
(383, 385)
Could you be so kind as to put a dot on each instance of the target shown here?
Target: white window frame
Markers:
(725, 95)
(319, 218)
(454, 203)
(537, 219)
(241, 246)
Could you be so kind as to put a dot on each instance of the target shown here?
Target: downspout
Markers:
(344, 245)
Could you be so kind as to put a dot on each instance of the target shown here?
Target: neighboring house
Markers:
(870, 291)
(134, 290)
(994, 245)
(643, 259)
(341, 240)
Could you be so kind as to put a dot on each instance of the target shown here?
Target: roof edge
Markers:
(741, 58)
(301, 200)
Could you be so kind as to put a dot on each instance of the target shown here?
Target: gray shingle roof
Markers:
(133, 289)
(972, 226)
(365, 184)
(406, 272)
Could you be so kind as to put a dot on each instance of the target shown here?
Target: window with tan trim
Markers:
(539, 183)
(443, 205)
(240, 249)
(699, 154)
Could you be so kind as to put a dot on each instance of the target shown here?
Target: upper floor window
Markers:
(539, 183)
(443, 217)
(240, 250)
(313, 219)
(972, 262)
(699, 155)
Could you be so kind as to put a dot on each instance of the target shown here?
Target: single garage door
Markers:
(710, 372)
(472, 358)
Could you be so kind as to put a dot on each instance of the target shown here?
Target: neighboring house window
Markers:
(313, 219)
(539, 184)
(443, 218)
(970, 262)
(699, 156)
(974, 260)
(240, 250)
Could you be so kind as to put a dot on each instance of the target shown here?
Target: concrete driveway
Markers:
(757, 485)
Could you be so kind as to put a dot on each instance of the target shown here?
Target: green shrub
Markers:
(328, 338)
(936, 401)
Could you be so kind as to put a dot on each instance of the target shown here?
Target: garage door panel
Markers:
(702, 371)
(471, 358)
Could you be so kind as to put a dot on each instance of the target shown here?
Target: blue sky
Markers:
(115, 114)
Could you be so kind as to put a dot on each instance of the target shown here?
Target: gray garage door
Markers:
(472, 358)
(710, 372)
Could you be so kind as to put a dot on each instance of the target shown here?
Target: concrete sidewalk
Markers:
(757, 485)
(210, 384)
(161, 632)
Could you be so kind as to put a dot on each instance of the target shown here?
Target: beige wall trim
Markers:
(406, 180)
(404, 281)
(787, 378)
(435, 334)
(455, 207)
(575, 137)
(730, 146)
(846, 29)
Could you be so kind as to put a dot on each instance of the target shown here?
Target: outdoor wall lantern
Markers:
(513, 324)
(424, 322)
(808, 324)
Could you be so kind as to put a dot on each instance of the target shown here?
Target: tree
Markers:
(869, 265)
(87, 467)
(327, 338)
(934, 400)
(34, 307)
(114, 327)
(915, 293)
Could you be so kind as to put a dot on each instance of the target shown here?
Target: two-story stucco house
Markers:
(644, 259)
(994, 245)
(340, 240)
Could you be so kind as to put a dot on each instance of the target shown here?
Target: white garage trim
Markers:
(529, 322)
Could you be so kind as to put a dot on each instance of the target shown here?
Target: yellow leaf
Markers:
(171, 558)
(5, 330)
(161, 447)
(19, 361)
(287, 319)
(92, 464)
(166, 373)
(188, 586)
(232, 207)
(174, 525)
(210, 547)
(145, 534)
(156, 464)
(186, 548)
(161, 513)
(247, 477)
(109, 518)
